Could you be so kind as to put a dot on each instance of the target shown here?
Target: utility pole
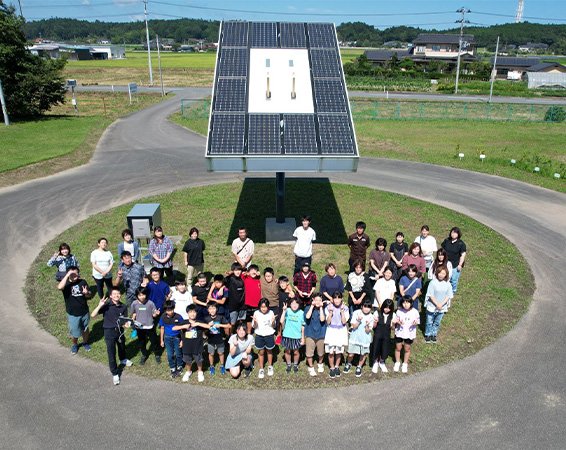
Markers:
(4, 109)
(463, 11)
(147, 40)
(20, 4)
(159, 65)
(494, 70)
(519, 15)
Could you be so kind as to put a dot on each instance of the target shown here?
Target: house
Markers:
(443, 46)
(382, 57)
(513, 68)
(51, 51)
(108, 52)
(547, 67)
(530, 47)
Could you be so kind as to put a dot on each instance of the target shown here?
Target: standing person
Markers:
(437, 301)
(315, 330)
(384, 288)
(456, 252)
(63, 259)
(379, 259)
(330, 283)
(102, 262)
(358, 287)
(411, 285)
(217, 326)
(243, 248)
(112, 311)
(171, 338)
(252, 293)
(130, 275)
(270, 290)
(128, 244)
(240, 355)
(428, 245)
(358, 243)
(145, 312)
(263, 321)
(304, 283)
(218, 294)
(286, 293)
(76, 293)
(304, 236)
(200, 296)
(360, 337)
(293, 323)
(161, 251)
(235, 285)
(158, 291)
(415, 256)
(183, 297)
(382, 335)
(193, 343)
(440, 260)
(405, 321)
(336, 337)
(193, 252)
(397, 250)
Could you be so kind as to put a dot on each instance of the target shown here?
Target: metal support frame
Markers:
(280, 197)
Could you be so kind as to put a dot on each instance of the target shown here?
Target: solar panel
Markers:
(329, 96)
(336, 135)
(299, 136)
(234, 34)
(230, 95)
(325, 63)
(292, 35)
(264, 134)
(228, 132)
(264, 35)
(321, 35)
(233, 62)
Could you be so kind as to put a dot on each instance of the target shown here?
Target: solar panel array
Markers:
(299, 135)
(228, 134)
(293, 35)
(264, 134)
(263, 35)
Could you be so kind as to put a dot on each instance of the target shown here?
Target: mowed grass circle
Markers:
(495, 289)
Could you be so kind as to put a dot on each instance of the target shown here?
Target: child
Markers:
(144, 311)
(382, 335)
(286, 292)
(63, 259)
(293, 323)
(129, 245)
(235, 285)
(384, 288)
(218, 294)
(360, 337)
(336, 337)
(270, 289)
(240, 351)
(315, 330)
(379, 259)
(305, 236)
(405, 321)
(304, 283)
(358, 286)
(411, 285)
(263, 322)
(113, 331)
(200, 296)
(182, 298)
(158, 291)
(437, 302)
(171, 338)
(397, 251)
(252, 293)
(216, 323)
(193, 343)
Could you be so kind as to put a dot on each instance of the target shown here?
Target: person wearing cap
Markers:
(304, 236)
(304, 283)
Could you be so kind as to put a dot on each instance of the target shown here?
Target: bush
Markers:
(555, 114)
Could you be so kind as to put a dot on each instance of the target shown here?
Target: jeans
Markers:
(113, 340)
(174, 353)
(433, 323)
(454, 279)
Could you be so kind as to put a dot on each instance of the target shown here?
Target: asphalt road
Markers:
(512, 394)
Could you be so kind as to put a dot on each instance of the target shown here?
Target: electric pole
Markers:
(147, 40)
(463, 11)
(494, 70)
(4, 109)
(159, 65)
(20, 5)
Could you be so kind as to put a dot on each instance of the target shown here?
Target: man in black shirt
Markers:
(235, 285)
(193, 252)
(76, 293)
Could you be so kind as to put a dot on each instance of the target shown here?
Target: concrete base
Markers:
(280, 233)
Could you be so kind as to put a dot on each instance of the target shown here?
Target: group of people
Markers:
(246, 314)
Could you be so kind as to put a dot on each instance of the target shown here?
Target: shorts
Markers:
(233, 361)
(235, 316)
(250, 313)
(264, 342)
(338, 349)
(215, 348)
(290, 343)
(78, 324)
(358, 349)
(189, 358)
(312, 344)
(399, 340)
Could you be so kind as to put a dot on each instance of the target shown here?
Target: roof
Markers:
(516, 62)
(385, 55)
(546, 65)
(442, 38)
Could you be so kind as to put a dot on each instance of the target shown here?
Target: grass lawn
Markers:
(495, 289)
(61, 139)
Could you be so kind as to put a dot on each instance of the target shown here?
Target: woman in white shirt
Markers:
(384, 288)
(102, 262)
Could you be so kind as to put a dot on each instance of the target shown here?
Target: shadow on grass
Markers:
(313, 197)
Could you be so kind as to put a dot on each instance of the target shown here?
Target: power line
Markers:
(512, 16)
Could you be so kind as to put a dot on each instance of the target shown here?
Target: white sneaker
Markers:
(116, 380)
(200, 376)
(321, 368)
(375, 367)
(396, 366)
(186, 376)
(383, 367)
(261, 373)
(126, 362)
(312, 372)
(270, 371)
(405, 368)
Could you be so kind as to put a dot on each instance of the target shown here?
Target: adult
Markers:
(193, 253)
(129, 275)
(128, 244)
(330, 283)
(456, 253)
(358, 243)
(304, 236)
(428, 245)
(76, 293)
(102, 262)
(440, 260)
(379, 258)
(161, 252)
(63, 259)
(243, 248)
(415, 256)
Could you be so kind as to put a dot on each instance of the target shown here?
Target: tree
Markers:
(31, 84)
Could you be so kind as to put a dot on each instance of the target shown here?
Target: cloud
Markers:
(85, 2)
(125, 2)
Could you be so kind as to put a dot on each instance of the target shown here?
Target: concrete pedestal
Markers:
(280, 233)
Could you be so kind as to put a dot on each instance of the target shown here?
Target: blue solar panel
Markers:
(234, 34)
(336, 135)
(329, 96)
(325, 63)
(292, 35)
(264, 134)
(233, 62)
(230, 95)
(227, 137)
(299, 136)
(321, 35)
(264, 35)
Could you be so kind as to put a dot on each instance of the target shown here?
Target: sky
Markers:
(439, 14)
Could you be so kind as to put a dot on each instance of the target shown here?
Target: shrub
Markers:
(555, 114)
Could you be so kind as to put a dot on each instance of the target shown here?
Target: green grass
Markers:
(495, 289)
(169, 60)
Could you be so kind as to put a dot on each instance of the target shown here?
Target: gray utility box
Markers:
(143, 218)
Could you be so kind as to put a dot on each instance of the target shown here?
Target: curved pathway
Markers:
(511, 394)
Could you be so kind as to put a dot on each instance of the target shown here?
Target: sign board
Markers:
(132, 89)
(71, 83)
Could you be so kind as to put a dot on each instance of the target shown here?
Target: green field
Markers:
(137, 59)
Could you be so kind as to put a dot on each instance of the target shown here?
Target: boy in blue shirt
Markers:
(171, 338)
(315, 330)
(158, 290)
